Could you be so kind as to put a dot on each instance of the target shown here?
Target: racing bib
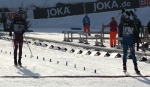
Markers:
(127, 30)
(18, 27)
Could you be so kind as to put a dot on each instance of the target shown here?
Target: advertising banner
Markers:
(110, 5)
(144, 3)
(63, 10)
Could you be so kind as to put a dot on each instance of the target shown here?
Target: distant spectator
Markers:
(148, 27)
(113, 31)
(136, 32)
(86, 24)
(4, 20)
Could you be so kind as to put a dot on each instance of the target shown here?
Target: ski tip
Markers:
(31, 56)
(128, 13)
(138, 73)
(123, 10)
(15, 65)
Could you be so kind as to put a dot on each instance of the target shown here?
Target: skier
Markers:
(137, 26)
(4, 19)
(18, 25)
(148, 27)
(128, 42)
(113, 31)
(86, 24)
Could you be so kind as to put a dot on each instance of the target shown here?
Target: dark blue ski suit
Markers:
(128, 41)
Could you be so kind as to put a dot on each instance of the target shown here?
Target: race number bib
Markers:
(127, 30)
(18, 27)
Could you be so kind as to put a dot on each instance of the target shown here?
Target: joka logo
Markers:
(110, 5)
(58, 12)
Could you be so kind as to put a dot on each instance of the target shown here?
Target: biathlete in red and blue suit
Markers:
(18, 26)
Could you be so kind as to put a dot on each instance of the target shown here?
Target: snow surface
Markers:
(42, 67)
(97, 19)
(104, 66)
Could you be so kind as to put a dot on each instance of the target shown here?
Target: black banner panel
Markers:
(62, 10)
(110, 5)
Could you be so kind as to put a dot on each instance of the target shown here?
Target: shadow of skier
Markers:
(145, 80)
(26, 72)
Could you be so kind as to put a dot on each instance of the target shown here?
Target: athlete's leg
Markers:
(125, 48)
(111, 39)
(20, 48)
(15, 51)
(85, 28)
(132, 52)
(114, 38)
(15, 47)
(88, 28)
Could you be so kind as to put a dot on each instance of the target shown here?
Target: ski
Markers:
(126, 73)
(15, 65)
(19, 66)
(138, 73)
(29, 26)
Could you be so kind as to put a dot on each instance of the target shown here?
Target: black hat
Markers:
(20, 8)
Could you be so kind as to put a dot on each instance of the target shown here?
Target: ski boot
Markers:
(19, 62)
(15, 61)
(124, 68)
(136, 70)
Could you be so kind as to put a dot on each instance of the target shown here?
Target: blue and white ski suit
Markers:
(128, 41)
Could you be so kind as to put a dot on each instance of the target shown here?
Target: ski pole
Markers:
(12, 42)
(123, 10)
(29, 47)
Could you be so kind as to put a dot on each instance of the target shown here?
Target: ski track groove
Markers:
(121, 76)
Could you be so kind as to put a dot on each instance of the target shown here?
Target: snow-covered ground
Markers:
(97, 19)
(55, 68)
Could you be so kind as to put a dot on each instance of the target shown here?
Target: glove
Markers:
(131, 12)
(123, 10)
(10, 34)
(128, 13)
(23, 31)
